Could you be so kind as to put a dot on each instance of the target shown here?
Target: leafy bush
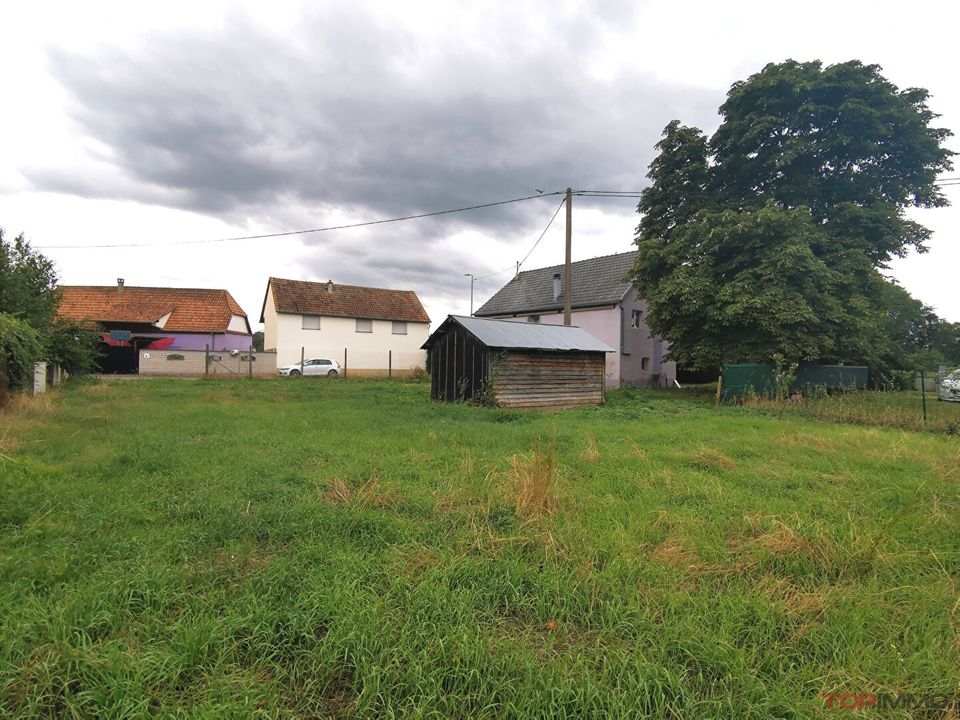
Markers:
(20, 348)
(75, 347)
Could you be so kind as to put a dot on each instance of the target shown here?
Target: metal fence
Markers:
(359, 363)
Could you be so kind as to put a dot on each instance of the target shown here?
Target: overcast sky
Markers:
(168, 122)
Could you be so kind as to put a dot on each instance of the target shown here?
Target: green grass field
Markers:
(348, 549)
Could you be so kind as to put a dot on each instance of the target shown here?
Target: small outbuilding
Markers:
(515, 364)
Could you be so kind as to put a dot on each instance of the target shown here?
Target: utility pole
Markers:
(567, 270)
(470, 275)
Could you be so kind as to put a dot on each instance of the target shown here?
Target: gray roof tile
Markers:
(516, 335)
(597, 281)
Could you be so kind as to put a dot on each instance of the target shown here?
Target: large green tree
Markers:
(31, 329)
(771, 235)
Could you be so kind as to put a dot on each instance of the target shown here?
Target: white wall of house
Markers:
(285, 333)
(238, 323)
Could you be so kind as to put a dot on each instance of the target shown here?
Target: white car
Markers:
(950, 387)
(313, 366)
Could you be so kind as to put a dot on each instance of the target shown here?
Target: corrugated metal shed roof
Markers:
(513, 335)
(597, 281)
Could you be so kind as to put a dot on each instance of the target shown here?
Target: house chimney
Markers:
(556, 286)
(119, 286)
(330, 286)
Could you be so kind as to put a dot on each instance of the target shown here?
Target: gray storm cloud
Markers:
(353, 116)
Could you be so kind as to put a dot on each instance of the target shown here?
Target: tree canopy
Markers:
(770, 236)
(30, 328)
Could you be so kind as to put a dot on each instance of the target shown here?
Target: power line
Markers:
(552, 218)
(302, 232)
(549, 223)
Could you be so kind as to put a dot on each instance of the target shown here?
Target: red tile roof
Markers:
(191, 309)
(351, 301)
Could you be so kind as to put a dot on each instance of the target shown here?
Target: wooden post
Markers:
(719, 385)
(389, 363)
(567, 270)
(344, 363)
(302, 350)
(250, 363)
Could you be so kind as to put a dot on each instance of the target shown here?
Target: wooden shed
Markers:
(515, 364)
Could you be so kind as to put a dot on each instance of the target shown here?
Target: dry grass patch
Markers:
(590, 453)
(367, 494)
(676, 553)
(468, 464)
(710, 459)
(417, 559)
(948, 468)
(806, 441)
(532, 479)
(804, 603)
(8, 444)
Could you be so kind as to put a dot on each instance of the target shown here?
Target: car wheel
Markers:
(294, 373)
(332, 373)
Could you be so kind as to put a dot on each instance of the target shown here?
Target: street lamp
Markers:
(470, 275)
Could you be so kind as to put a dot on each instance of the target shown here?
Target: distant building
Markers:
(376, 327)
(515, 364)
(156, 318)
(604, 303)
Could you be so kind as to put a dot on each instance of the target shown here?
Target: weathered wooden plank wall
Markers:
(548, 380)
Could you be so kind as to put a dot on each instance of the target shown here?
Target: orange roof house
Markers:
(186, 318)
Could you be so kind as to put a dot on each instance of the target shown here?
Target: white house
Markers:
(369, 330)
(604, 303)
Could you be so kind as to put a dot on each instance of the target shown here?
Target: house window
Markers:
(311, 322)
(533, 318)
(636, 317)
(399, 327)
(645, 363)
(364, 326)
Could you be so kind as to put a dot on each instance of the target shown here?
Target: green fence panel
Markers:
(832, 377)
(740, 380)
(757, 379)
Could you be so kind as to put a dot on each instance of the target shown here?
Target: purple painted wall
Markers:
(196, 341)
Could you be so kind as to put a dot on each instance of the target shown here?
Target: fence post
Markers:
(719, 384)
(389, 363)
(250, 363)
(344, 363)
(302, 350)
(206, 359)
(923, 396)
